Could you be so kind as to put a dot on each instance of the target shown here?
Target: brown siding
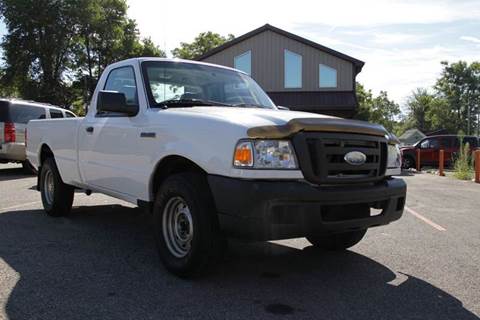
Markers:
(268, 62)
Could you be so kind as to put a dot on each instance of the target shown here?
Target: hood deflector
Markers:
(316, 124)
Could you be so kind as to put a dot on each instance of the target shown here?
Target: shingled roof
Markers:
(357, 63)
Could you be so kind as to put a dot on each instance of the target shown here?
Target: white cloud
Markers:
(399, 72)
(168, 22)
(396, 38)
(357, 28)
(470, 39)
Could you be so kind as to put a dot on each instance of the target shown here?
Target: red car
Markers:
(430, 150)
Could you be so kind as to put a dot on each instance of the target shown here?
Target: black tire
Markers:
(199, 242)
(28, 168)
(345, 240)
(58, 201)
(408, 162)
(338, 241)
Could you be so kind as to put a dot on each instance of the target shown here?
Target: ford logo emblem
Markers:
(355, 158)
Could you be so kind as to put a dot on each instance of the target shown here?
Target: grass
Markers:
(463, 168)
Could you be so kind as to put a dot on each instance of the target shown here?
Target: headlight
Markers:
(265, 154)
(394, 157)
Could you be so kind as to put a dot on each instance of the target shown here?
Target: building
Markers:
(295, 72)
(411, 136)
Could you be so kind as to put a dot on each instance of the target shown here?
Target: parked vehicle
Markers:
(430, 150)
(205, 149)
(14, 116)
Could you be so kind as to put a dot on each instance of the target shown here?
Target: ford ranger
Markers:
(209, 154)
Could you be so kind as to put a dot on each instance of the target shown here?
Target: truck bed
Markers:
(60, 135)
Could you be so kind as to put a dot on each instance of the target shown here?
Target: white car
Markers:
(208, 152)
(14, 116)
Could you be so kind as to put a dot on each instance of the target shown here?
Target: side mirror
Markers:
(114, 101)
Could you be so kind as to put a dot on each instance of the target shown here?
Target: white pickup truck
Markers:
(205, 149)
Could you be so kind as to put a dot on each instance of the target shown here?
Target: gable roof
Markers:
(358, 63)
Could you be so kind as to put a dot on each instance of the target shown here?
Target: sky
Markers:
(401, 42)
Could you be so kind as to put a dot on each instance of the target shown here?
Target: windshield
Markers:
(171, 83)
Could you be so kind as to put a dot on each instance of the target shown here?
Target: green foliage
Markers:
(203, 43)
(463, 164)
(54, 50)
(379, 109)
(459, 85)
(453, 101)
(428, 112)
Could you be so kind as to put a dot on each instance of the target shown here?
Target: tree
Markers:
(459, 85)
(55, 50)
(106, 35)
(419, 107)
(379, 109)
(38, 47)
(203, 43)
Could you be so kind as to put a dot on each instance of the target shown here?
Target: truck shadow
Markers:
(13, 174)
(101, 263)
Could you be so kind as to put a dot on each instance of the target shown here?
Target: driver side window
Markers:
(123, 80)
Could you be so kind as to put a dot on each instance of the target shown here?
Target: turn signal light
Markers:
(243, 155)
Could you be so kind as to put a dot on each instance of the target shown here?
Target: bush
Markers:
(463, 164)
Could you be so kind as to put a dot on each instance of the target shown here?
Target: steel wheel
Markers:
(49, 187)
(177, 227)
(407, 163)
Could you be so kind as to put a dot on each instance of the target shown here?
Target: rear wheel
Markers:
(338, 241)
(57, 197)
(28, 168)
(186, 226)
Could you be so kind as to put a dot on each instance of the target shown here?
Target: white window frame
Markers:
(285, 69)
(241, 55)
(320, 76)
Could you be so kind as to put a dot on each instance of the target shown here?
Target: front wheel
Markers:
(338, 241)
(57, 197)
(186, 226)
(408, 162)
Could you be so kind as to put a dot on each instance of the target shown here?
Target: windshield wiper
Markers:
(247, 105)
(180, 103)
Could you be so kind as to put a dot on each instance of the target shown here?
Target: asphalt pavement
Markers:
(100, 263)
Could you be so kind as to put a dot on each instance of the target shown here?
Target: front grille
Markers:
(321, 157)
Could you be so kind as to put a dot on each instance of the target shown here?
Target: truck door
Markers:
(429, 151)
(448, 145)
(108, 155)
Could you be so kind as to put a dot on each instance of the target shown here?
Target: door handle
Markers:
(89, 129)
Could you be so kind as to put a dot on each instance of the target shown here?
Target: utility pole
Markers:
(478, 121)
(468, 116)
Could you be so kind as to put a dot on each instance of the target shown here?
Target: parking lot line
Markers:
(424, 219)
(18, 206)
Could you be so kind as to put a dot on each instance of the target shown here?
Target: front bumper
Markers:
(13, 152)
(272, 210)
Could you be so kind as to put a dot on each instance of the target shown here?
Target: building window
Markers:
(293, 70)
(327, 77)
(243, 62)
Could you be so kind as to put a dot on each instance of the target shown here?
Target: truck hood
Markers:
(270, 123)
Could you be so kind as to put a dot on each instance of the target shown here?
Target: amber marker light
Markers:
(243, 155)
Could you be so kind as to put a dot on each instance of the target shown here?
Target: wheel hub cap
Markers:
(177, 227)
(48, 187)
